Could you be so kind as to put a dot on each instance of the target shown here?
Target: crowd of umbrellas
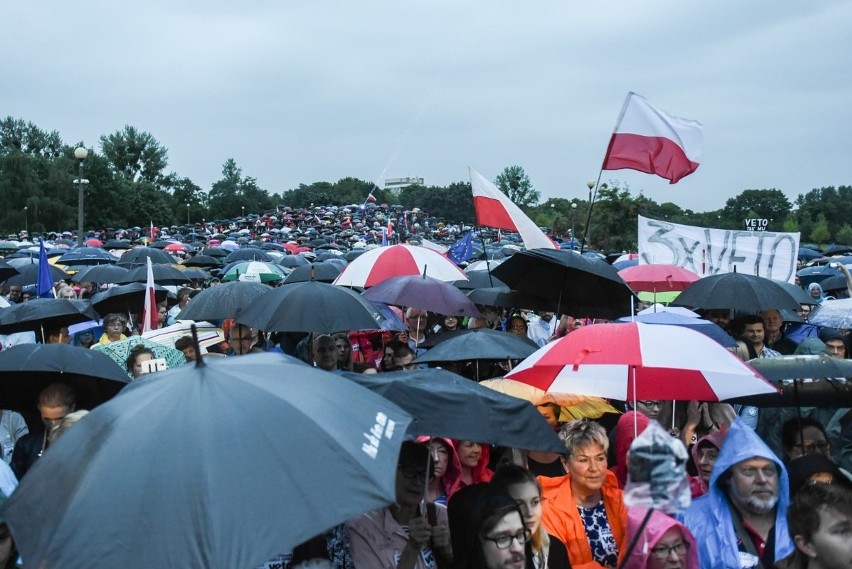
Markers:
(229, 461)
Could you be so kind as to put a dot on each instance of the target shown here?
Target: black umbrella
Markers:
(354, 254)
(804, 381)
(28, 275)
(197, 274)
(6, 270)
(203, 261)
(796, 292)
(248, 254)
(39, 314)
(117, 244)
(163, 275)
(322, 272)
(836, 282)
(444, 404)
(311, 307)
(26, 369)
(217, 252)
(736, 291)
(125, 299)
(477, 344)
(572, 283)
(226, 300)
(292, 261)
(101, 274)
(480, 279)
(202, 461)
(87, 256)
(137, 257)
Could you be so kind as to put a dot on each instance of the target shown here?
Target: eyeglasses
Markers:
(657, 404)
(813, 448)
(503, 541)
(412, 472)
(662, 551)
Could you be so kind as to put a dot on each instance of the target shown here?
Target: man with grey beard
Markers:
(742, 520)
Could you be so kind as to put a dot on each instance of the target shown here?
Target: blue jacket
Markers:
(709, 517)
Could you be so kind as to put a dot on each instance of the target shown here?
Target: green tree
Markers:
(764, 204)
(234, 192)
(820, 232)
(451, 203)
(136, 156)
(844, 234)
(515, 183)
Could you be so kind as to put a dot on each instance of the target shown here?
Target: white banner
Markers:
(706, 251)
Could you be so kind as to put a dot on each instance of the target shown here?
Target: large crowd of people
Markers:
(770, 487)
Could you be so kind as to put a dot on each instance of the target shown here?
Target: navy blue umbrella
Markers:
(706, 327)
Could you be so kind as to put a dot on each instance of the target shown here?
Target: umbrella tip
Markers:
(199, 361)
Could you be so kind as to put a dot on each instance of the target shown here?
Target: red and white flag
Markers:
(652, 141)
(371, 197)
(494, 209)
(389, 230)
(154, 231)
(150, 317)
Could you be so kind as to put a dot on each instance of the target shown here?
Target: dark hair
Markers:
(57, 395)
(512, 474)
(791, 428)
(184, 342)
(135, 352)
(473, 511)
(401, 350)
(804, 510)
(753, 319)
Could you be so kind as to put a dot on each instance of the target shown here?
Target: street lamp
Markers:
(573, 225)
(80, 154)
(26, 221)
(187, 213)
(244, 210)
(590, 184)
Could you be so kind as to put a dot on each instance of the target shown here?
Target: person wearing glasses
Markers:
(804, 436)
(742, 520)
(487, 529)
(404, 535)
(664, 543)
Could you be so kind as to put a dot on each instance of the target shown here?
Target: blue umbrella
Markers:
(87, 256)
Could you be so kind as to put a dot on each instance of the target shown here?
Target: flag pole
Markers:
(592, 197)
(487, 264)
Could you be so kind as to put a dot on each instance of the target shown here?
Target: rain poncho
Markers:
(657, 526)
(816, 286)
(709, 517)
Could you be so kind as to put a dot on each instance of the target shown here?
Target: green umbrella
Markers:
(255, 271)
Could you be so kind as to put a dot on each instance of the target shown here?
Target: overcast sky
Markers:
(298, 92)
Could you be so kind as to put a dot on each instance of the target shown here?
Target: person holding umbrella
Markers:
(54, 402)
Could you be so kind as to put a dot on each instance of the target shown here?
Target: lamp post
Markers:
(187, 213)
(26, 221)
(244, 210)
(590, 184)
(573, 225)
(80, 154)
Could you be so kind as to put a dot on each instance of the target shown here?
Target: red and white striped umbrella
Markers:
(381, 263)
(639, 361)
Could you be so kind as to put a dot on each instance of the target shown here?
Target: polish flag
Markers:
(150, 317)
(371, 197)
(652, 141)
(494, 209)
(389, 230)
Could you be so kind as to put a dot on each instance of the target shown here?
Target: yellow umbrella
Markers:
(572, 406)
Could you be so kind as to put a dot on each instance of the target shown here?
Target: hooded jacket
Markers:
(624, 437)
(709, 517)
(657, 526)
(479, 473)
(562, 519)
(716, 438)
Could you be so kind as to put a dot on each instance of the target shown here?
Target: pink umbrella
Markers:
(639, 361)
(93, 242)
(174, 247)
(381, 263)
(657, 278)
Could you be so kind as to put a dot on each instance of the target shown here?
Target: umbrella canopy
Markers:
(444, 404)
(28, 274)
(100, 274)
(229, 447)
(117, 244)
(124, 299)
(204, 261)
(175, 247)
(573, 284)
(311, 307)
(381, 263)
(833, 314)
(87, 256)
(640, 361)
(226, 300)
(657, 278)
(120, 350)
(572, 406)
(207, 334)
(163, 275)
(322, 272)
(796, 292)
(26, 369)
(480, 279)
(217, 252)
(40, 314)
(478, 344)
(93, 242)
(292, 261)
(736, 291)
(706, 327)
(836, 282)
(138, 257)
(422, 292)
(6, 270)
(804, 381)
(255, 271)
(248, 254)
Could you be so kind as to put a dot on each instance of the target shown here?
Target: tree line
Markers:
(129, 184)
